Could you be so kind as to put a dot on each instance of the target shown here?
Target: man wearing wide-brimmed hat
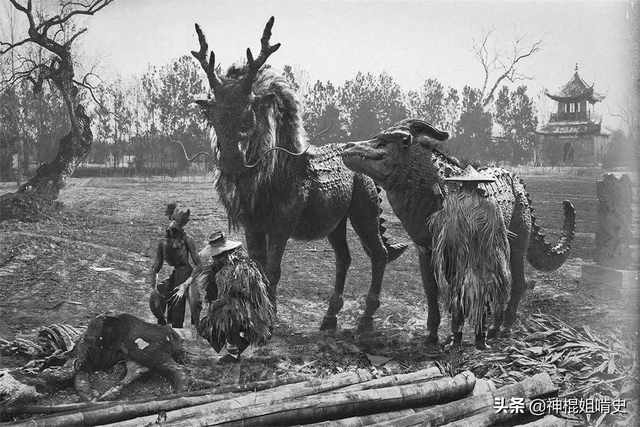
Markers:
(237, 311)
(218, 244)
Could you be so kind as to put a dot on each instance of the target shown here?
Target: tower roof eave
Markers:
(576, 89)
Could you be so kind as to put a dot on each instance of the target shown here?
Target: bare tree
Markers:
(498, 64)
(628, 114)
(52, 34)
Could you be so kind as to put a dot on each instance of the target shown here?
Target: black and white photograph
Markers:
(324, 212)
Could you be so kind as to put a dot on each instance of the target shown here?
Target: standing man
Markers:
(176, 247)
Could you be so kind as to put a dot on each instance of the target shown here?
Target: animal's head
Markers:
(387, 153)
(177, 220)
(231, 109)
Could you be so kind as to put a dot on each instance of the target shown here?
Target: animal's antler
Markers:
(265, 51)
(209, 66)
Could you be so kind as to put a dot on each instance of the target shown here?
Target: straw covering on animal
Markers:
(470, 254)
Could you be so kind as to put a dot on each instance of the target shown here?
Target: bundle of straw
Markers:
(470, 254)
(243, 284)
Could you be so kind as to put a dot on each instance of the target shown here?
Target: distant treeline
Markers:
(137, 121)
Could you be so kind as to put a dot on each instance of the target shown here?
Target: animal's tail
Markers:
(541, 255)
(470, 255)
(393, 250)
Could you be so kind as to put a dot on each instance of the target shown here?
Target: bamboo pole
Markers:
(538, 385)
(490, 417)
(395, 380)
(365, 420)
(265, 397)
(137, 408)
(117, 412)
(337, 405)
(550, 421)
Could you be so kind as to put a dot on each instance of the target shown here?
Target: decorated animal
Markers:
(405, 161)
(277, 186)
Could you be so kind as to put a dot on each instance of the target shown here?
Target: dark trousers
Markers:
(174, 310)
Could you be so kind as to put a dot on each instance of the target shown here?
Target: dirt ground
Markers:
(95, 255)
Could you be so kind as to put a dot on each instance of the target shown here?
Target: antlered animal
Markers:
(305, 194)
(405, 162)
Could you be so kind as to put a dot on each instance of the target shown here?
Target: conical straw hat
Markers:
(471, 175)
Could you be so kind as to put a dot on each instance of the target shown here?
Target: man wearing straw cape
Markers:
(236, 310)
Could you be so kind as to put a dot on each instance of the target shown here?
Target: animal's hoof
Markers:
(329, 323)
(505, 333)
(454, 346)
(365, 325)
(482, 345)
(432, 341)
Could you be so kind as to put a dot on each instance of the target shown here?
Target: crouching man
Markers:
(236, 311)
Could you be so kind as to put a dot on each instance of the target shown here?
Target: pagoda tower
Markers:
(573, 135)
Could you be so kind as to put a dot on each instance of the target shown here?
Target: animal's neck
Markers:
(415, 192)
(252, 193)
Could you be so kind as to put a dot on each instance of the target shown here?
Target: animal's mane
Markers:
(278, 123)
(284, 108)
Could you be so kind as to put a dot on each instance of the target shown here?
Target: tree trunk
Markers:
(35, 199)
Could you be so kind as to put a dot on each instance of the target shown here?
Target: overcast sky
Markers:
(410, 40)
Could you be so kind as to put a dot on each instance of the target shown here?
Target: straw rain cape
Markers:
(243, 283)
(470, 255)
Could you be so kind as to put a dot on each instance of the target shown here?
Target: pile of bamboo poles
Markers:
(353, 398)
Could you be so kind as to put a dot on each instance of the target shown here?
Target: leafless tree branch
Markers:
(87, 8)
(505, 64)
(61, 68)
(628, 115)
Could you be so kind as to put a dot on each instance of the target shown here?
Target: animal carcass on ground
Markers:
(277, 186)
(406, 163)
(113, 338)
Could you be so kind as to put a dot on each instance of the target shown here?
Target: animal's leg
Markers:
(276, 243)
(83, 387)
(367, 226)
(134, 371)
(170, 369)
(517, 290)
(338, 241)
(457, 324)
(431, 292)
(498, 318)
(257, 247)
(481, 336)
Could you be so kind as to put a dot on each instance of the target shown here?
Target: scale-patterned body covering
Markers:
(509, 194)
